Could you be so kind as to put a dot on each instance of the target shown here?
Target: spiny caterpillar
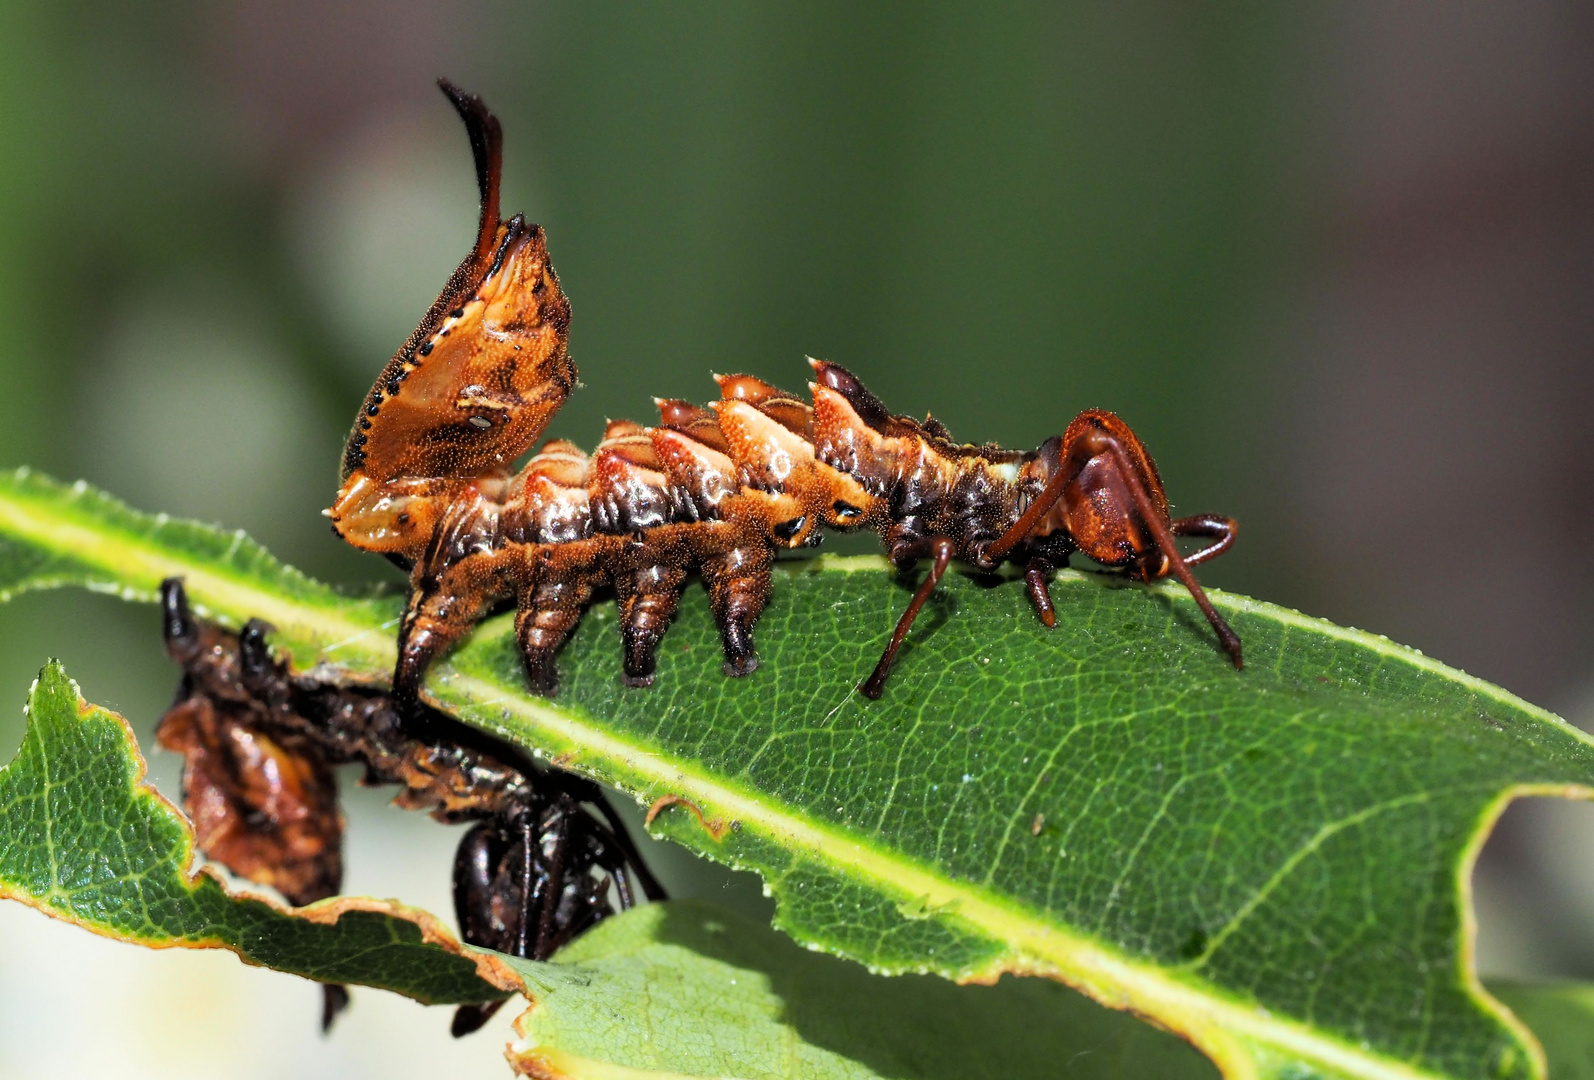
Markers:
(428, 481)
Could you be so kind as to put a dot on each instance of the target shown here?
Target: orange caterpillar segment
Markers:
(715, 491)
(702, 474)
(787, 410)
(474, 385)
(718, 491)
(648, 508)
(770, 436)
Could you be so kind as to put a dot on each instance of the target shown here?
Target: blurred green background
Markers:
(1333, 264)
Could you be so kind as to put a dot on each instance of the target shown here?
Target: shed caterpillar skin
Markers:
(260, 742)
(716, 490)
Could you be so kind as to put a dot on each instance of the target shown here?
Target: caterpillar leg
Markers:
(648, 595)
(1037, 572)
(442, 608)
(553, 844)
(739, 584)
(938, 548)
(470, 1018)
(630, 860)
(1219, 528)
(556, 589)
(334, 999)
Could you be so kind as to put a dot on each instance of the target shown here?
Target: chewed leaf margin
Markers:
(84, 838)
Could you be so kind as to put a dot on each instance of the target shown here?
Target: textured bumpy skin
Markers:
(647, 508)
(715, 491)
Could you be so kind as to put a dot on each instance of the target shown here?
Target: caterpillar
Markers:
(260, 742)
(717, 490)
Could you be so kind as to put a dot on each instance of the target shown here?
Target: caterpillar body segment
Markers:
(715, 491)
(648, 508)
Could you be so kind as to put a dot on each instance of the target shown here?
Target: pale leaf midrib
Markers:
(143, 562)
(51, 520)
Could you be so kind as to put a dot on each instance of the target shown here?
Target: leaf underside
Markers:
(689, 989)
(1272, 863)
(1562, 1016)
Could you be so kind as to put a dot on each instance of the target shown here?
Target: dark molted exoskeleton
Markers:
(263, 799)
(260, 742)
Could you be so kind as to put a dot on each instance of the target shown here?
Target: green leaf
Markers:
(689, 989)
(653, 989)
(1562, 1016)
(1272, 863)
(83, 838)
(682, 988)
